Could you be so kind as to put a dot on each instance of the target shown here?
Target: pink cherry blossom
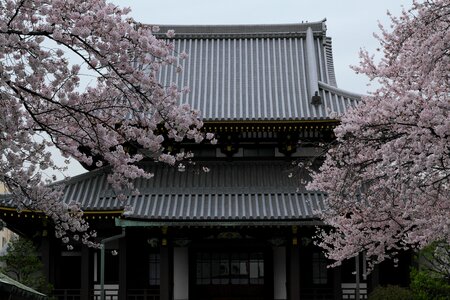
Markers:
(388, 176)
(170, 33)
(40, 95)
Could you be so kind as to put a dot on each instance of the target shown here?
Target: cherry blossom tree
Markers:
(124, 107)
(387, 176)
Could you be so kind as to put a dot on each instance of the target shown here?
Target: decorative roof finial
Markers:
(316, 99)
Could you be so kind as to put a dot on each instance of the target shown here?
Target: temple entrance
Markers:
(230, 274)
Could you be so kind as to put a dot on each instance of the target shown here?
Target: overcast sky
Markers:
(350, 23)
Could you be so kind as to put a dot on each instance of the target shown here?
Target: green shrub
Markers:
(390, 292)
(21, 262)
(426, 286)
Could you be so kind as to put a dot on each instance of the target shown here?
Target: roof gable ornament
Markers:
(316, 99)
(311, 64)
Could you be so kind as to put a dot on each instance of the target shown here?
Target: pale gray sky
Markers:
(350, 23)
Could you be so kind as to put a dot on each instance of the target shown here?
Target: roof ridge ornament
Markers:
(316, 99)
(311, 65)
(324, 26)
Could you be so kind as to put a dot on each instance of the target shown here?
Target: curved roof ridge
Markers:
(339, 91)
(243, 30)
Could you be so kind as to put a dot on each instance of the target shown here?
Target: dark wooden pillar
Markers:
(48, 257)
(374, 278)
(45, 256)
(165, 285)
(123, 268)
(86, 272)
(293, 266)
(294, 273)
(337, 280)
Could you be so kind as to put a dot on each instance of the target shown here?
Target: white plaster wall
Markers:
(180, 273)
(279, 273)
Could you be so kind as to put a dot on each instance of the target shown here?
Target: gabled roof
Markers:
(258, 72)
(231, 191)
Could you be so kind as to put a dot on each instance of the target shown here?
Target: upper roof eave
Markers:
(275, 121)
(243, 30)
(138, 222)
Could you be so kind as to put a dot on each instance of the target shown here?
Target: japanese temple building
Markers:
(243, 230)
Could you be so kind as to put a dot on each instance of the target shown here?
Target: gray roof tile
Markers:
(237, 73)
(227, 192)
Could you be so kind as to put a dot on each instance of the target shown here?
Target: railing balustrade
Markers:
(150, 294)
(349, 290)
(67, 294)
(110, 294)
(317, 294)
(153, 294)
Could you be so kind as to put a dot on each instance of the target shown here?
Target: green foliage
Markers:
(390, 292)
(427, 286)
(432, 280)
(435, 260)
(22, 263)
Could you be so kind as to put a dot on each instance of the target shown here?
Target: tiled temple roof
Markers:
(258, 72)
(230, 191)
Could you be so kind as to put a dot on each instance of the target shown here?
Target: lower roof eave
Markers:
(216, 223)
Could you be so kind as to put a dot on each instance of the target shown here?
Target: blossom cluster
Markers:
(125, 105)
(388, 177)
